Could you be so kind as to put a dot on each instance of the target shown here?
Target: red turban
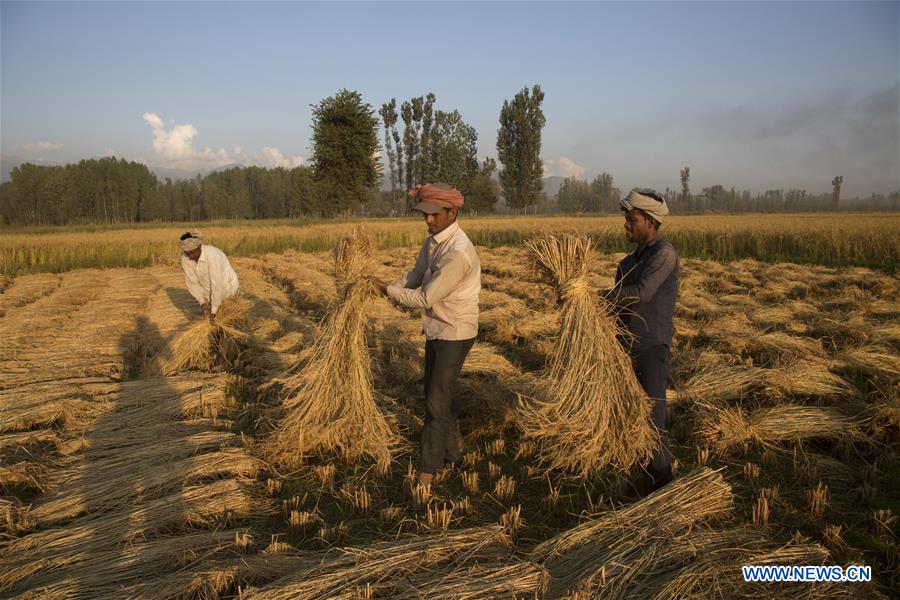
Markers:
(439, 194)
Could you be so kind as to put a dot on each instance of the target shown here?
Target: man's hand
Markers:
(206, 308)
(380, 285)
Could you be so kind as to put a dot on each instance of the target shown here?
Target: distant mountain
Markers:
(552, 185)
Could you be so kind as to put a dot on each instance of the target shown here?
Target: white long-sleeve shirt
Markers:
(211, 279)
(445, 283)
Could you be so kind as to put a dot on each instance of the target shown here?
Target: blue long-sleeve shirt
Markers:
(646, 288)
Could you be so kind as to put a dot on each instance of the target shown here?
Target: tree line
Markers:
(422, 142)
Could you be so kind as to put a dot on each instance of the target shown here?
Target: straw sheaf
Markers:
(596, 413)
(115, 571)
(113, 483)
(517, 580)
(329, 403)
(53, 550)
(354, 568)
(723, 429)
(199, 346)
(706, 563)
(577, 558)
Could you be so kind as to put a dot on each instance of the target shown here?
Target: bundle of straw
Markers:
(805, 378)
(578, 558)
(59, 549)
(198, 346)
(722, 429)
(719, 383)
(356, 568)
(706, 563)
(517, 580)
(330, 402)
(598, 415)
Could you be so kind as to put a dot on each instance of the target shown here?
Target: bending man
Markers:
(646, 287)
(207, 272)
(444, 283)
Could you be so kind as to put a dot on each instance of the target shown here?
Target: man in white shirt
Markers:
(207, 272)
(444, 283)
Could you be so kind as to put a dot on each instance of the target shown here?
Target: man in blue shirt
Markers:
(645, 291)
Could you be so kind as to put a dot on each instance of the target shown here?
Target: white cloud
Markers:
(46, 146)
(109, 152)
(564, 167)
(238, 150)
(272, 157)
(174, 147)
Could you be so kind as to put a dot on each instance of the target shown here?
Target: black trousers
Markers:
(441, 439)
(651, 365)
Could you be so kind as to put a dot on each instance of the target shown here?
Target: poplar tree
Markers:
(519, 148)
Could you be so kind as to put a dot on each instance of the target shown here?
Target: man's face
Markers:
(638, 229)
(440, 220)
(194, 254)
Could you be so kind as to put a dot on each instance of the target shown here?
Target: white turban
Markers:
(651, 206)
(191, 243)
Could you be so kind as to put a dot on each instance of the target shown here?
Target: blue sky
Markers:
(759, 94)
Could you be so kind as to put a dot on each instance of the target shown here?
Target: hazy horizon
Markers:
(751, 95)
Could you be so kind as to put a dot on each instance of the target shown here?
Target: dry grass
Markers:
(724, 429)
(498, 580)
(356, 568)
(60, 549)
(200, 345)
(633, 534)
(805, 378)
(596, 414)
(719, 383)
(707, 564)
(113, 483)
(876, 360)
(330, 405)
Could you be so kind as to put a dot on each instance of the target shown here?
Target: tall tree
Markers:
(345, 151)
(425, 167)
(686, 189)
(836, 192)
(480, 190)
(519, 148)
(388, 114)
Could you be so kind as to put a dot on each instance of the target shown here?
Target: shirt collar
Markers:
(446, 234)
(639, 251)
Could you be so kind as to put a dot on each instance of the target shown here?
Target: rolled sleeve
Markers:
(448, 271)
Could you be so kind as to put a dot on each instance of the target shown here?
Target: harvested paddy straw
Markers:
(718, 383)
(352, 569)
(330, 404)
(519, 580)
(722, 429)
(198, 346)
(596, 413)
(631, 537)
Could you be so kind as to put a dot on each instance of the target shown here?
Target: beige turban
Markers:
(654, 208)
(191, 243)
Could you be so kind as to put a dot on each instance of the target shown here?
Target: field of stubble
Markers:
(784, 377)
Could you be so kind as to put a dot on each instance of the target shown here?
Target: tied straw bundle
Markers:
(594, 413)
(197, 347)
(330, 402)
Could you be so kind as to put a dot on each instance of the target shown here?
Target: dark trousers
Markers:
(441, 438)
(651, 365)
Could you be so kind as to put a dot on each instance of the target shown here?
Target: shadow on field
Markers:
(136, 460)
(181, 298)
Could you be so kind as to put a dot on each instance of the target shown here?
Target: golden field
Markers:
(868, 240)
(117, 483)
